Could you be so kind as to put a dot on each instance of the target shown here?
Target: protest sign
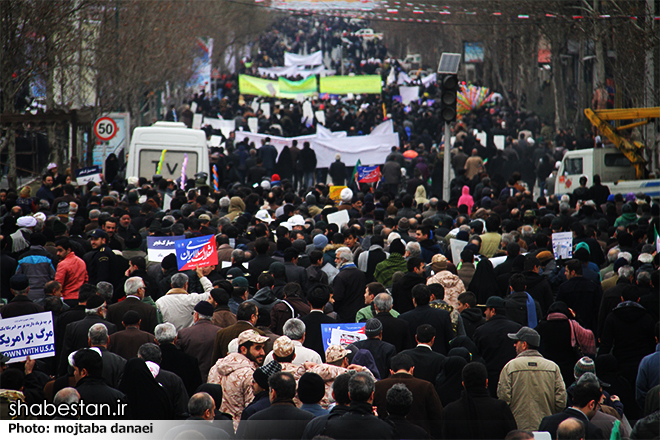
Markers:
(456, 247)
(562, 245)
(27, 335)
(160, 247)
(335, 192)
(342, 334)
(198, 251)
(339, 218)
(88, 174)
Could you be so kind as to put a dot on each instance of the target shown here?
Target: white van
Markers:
(147, 144)
(615, 170)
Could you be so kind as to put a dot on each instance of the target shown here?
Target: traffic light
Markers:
(448, 97)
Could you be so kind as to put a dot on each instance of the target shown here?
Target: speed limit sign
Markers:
(105, 129)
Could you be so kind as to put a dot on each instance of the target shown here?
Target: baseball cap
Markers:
(205, 217)
(495, 302)
(283, 347)
(297, 220)
(526, 334)
(98, 233)
(240, 282)
(335, 353)
(251, 336)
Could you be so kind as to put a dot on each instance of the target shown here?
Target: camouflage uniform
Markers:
(234, 373)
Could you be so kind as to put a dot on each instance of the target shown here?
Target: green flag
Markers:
(355, 172)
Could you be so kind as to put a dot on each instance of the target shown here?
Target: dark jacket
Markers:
(348, 288)
(472, 320)
(258, 265)
(260, 402)
(628, 333)
(75, 337)
(551, 423)
(96, 390)
(264, 299)
(296, 274)
(196, 340)
(176, 390)
(539, 288)
(183, 365)
(403, 429)
(612, 298)
(395, 331)
(358, 423)
(427, 362)
(280, 420)
(113, 367)
(382, 353)
(146, 311)
(429, 249)
(20, 305)
(313, 337)
(583, 297)
(426, 406)
(439, 319)
(402, 292)
(126, 343)
(476, 415)
(516, 309)
(556, 346)
(37, 264)
(281, 312)
(495, 346)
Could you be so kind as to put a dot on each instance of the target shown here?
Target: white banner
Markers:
(292, 59)
(408, 94)
(27, 335)
(430, 79)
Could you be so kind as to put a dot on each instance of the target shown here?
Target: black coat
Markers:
(490, 419)
(313, 337)
(19, 306)
(472, 320)
(176, 391)
(348, 287)
(539, 288)
(551, 423)
(395, 331)
(583, 297)
(402, 292)
(382, 353)
(75, 337)
(437, 318)
(495, 346)
(612, 298)
(628, 334)
(516, 308)
(146, 311)
(280, 420)
(183, 365)
(427, 362)
(96, 390)
(406, 430)
(358, 423)
(556, 346)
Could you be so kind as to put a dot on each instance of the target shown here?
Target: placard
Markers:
(160, 247)
(27, 335)
(562, 245)
(194, 252)
(342, 334)
(456, 247)
(339, 218)
(88, 174)
(335, 192)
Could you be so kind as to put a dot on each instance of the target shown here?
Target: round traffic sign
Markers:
(105, 128)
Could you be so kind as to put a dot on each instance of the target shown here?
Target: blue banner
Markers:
(368, 174)
(194, 252)
(342, 334)
(160, 247)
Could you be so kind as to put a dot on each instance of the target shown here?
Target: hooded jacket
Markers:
(466, 198)
(264, 299)
(234, 373)
(236, 207)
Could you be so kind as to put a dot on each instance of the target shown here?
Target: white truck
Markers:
(148, 143)
(615, 171)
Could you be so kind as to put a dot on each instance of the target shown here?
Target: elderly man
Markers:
(294, 329)
(348, 286)
(234, 372)
(531, 385)
(197, 339)
(134, 288)
(177, 305)
(113, 364)
(20, 305)
(201, 408)
(175, 360)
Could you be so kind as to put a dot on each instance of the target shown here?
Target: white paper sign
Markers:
(320, 116)
(27, 335)
(345, 338)
(499, 140)
(339, 218)
(197, 121)
(562, 245)
(456, 249)
(253, 124)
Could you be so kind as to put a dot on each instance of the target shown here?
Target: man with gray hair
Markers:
(413, 249)
(150, 353)
(395, 330)
(113, 364)
(295, 329)
(66, 396)
(135, 289)
(177, 305)
(201, 408)
(348, 286)
(175, 360)
(106, 290)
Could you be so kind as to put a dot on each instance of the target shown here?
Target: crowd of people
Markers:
(473, 326)
(492, 339)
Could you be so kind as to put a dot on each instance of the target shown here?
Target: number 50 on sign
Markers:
(105, 128)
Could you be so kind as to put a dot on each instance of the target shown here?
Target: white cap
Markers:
(297, 220)
(51, 166)
(263, 216)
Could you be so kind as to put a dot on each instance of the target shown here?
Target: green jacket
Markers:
(386, 268)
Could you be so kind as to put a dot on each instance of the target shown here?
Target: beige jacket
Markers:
(234, 373)
(533, 388)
